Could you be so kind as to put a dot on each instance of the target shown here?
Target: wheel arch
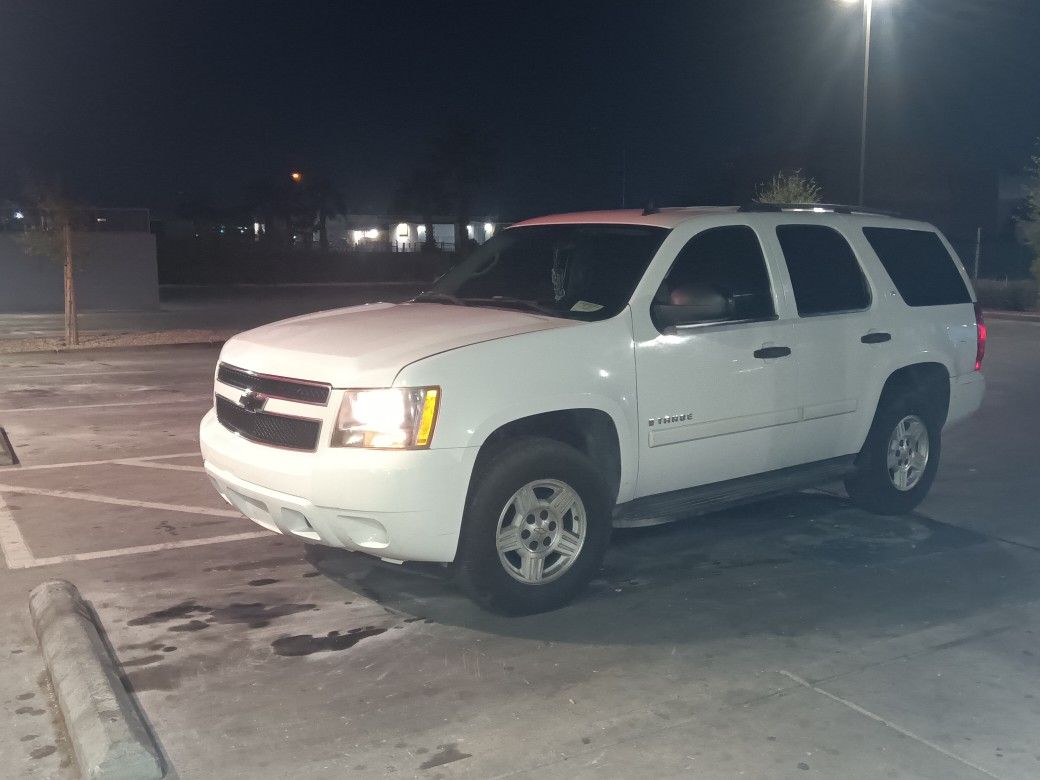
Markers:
(591, 431)
(927, 377)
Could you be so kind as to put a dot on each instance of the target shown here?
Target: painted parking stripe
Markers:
(885, 722)
(146, 548)
(75, 463)
(104, 405)
(148, 464)
(194, 510)
(12, 544)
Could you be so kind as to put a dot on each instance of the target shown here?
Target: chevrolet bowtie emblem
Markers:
(252, 401)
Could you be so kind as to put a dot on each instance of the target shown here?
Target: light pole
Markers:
(868, 15)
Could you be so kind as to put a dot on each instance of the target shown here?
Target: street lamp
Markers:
(868, 14)
(296, 176)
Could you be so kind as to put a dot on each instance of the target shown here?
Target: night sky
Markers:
(149, 103)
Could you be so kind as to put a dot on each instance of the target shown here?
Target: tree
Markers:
(51, 236)
(327, 200)
(789, 187)
(422, 192)
(463, 161)
(1030, 221)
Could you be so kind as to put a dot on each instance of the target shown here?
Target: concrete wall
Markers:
(113, 271)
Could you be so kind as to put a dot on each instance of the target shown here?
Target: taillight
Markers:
(980, 327)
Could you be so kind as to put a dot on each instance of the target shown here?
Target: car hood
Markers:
(366, 346)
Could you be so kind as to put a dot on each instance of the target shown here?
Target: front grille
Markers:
(274, 386)
(266, 428)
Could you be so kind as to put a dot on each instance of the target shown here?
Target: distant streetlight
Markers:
(868, 14)
(296, 176)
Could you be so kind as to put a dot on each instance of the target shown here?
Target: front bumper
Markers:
(401, 505)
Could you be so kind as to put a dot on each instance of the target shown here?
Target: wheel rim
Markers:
(908, 453)
(541, 531)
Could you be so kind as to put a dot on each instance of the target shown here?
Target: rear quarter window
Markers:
(922, 269)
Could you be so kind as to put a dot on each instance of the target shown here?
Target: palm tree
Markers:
(327, 200)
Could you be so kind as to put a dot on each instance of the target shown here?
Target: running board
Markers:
(668, 507)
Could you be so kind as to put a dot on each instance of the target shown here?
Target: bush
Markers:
(1010, 295)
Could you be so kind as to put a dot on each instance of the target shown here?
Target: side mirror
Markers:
(691, 304)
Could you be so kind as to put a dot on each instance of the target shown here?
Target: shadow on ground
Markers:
(789, 566)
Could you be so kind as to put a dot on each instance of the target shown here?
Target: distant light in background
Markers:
(403, 231)
(296, 176)
(489, 230)
(469, 231)
(372, 234)
(422, 230)
(256, 228)
(19, 215)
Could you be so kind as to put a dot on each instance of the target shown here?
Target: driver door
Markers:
(717, 383)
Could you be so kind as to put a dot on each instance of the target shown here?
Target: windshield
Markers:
(583, 272)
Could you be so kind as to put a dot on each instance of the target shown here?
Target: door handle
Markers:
(876, 338)
(769, 353)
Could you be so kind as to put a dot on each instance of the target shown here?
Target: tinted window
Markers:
(725, 261)
(576, 271)
(922, 269)
(824, 272)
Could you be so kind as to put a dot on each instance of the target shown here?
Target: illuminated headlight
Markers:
(387, 418)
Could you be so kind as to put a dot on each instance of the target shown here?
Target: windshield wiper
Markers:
(517, 303)
(439, 297)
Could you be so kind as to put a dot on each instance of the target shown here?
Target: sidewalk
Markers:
(192, 315)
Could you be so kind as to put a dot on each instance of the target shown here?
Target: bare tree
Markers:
(789, 187)
(51, 236)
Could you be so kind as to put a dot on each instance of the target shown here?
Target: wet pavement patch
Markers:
(448, 754)
(308, 644)
(253, 614)
(262, 581)
(43, 752)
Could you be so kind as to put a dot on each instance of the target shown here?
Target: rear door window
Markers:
(825, 274)
(920, 266)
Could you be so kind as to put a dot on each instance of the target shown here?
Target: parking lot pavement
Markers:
(795, 638)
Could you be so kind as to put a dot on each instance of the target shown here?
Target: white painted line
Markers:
(195, 510)
(16, 552)
(154, 465)
(101, 406)
(75, 463)
(885, 722)
(145, 548)
(18, 378)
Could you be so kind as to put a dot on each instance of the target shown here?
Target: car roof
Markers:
(673, 217)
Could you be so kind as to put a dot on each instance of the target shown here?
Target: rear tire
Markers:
(536, 527)
(897, 465)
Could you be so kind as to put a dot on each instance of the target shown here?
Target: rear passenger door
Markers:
(837, 335)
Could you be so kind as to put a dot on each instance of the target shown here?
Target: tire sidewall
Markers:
(494, 483)
(872, 486)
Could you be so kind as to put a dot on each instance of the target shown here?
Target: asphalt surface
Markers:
(794, 638)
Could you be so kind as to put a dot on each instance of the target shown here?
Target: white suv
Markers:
(584, 371)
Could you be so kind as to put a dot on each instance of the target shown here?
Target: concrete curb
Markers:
(1022, 316)
(107, 733)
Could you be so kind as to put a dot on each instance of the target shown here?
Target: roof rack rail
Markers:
(836, 208)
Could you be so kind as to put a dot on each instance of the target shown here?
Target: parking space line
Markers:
(154, 465)
(18, 378)
(194, 510)
(16, 552)
(101, 406)
(72, 464)
(145, 548)
(885, 722)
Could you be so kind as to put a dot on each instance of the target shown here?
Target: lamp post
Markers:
(868, 14)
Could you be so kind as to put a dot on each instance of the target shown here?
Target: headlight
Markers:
(387, 418)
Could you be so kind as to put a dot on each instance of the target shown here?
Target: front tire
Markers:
(897, 465)
(536, 527)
